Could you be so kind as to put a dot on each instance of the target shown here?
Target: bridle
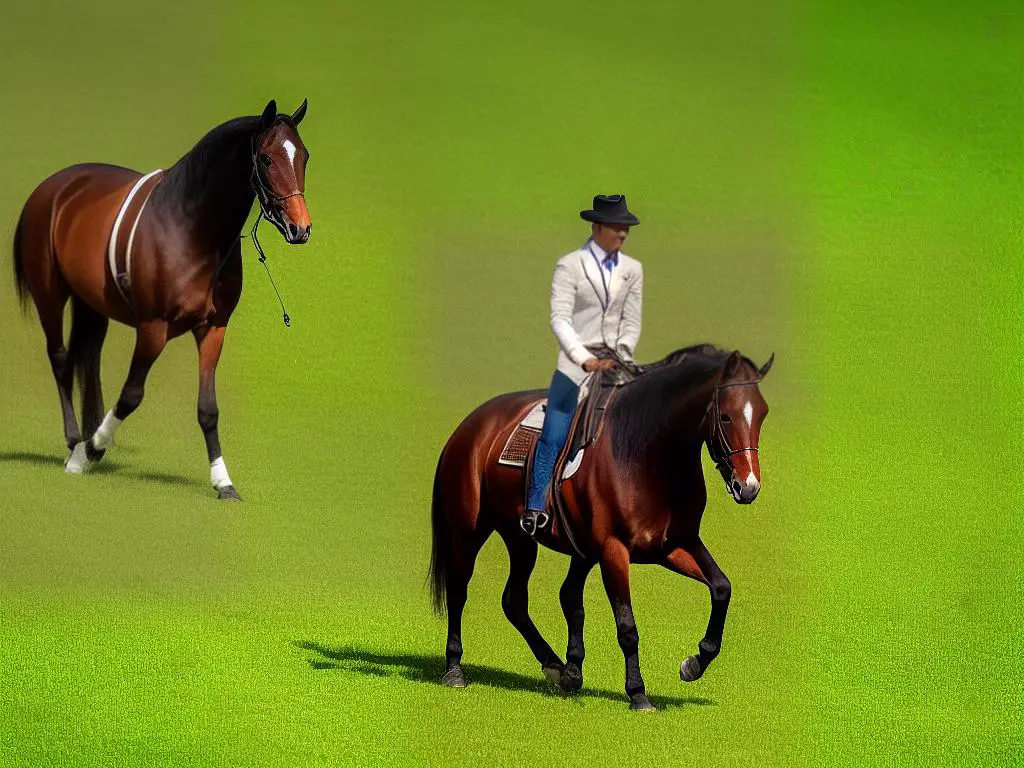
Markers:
(270, 209)
(718, 444)
(270, 204)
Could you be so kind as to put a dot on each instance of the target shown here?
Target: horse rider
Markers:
(596, 300)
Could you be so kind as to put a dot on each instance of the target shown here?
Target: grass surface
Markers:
(839, 186)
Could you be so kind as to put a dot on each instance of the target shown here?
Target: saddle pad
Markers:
(535, 418)
(523, 437)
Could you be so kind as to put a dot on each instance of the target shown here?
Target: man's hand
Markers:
(592, 364)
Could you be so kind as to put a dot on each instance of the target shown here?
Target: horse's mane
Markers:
(642, 408)
(191, 170)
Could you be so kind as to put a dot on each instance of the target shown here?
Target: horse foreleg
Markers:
(615, 574)
(695, 561)
(571, 598)
(150, 339)
(515, 601)
(210, 341)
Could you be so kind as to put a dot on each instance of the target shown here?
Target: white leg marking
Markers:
(75, 465)
(219, 473)
(748, 412)
(104, 437)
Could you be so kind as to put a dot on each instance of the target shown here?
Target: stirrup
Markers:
(534, 520)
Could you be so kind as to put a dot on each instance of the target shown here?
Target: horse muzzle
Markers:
(292, 219)
(743, 491)
(296, 235)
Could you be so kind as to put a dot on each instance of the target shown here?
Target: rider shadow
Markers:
(106, 467)
(421, 668)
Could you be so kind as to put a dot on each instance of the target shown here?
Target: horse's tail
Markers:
(20, 283)
(85, 343)
(441, 551)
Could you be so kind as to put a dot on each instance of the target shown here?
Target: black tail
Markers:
(20, 284)
(88, 330)
(441, 551)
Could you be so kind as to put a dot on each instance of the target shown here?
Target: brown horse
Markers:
(637, 497)
(160, 253)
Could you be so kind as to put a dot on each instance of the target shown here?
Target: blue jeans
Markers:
(557, 420)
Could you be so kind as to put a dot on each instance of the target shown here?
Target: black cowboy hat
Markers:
(610, 209)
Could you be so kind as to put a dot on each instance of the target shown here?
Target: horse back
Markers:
(468, 471)
(69, 216)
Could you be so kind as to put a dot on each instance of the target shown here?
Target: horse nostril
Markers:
(737, 487)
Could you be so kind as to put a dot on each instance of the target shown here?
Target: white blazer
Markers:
(590, 307)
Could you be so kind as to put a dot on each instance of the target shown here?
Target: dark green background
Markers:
(840, 185)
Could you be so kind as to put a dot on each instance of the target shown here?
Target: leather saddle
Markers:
(584, 431)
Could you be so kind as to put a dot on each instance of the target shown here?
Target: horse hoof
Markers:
(640, 703)
(228, 493)
(572, 678)
(93, 454)
(75, 465)
(454, 678)
(690, 670)
(553, 675)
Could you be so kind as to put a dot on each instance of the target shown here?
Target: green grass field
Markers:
(841, 186)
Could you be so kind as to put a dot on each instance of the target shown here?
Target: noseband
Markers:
(718, 445)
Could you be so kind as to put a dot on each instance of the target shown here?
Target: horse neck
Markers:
(210, 189)
(687, 415)
(658, 422)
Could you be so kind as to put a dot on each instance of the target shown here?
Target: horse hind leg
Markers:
(460, 568)
(36, 275)
(456, 543)
(150, 339)
(515, 601)
(52, 319)
(460, 572)
(88, 332)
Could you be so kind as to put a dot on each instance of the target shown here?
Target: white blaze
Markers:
(748, 413)
(290, 149)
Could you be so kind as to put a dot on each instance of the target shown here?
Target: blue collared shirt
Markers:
(608, 260)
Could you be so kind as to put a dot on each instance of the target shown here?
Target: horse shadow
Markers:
(422, 668)
(24, 457)
(105, 467)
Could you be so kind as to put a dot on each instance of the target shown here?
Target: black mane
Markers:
(643, 408)
(191, 174)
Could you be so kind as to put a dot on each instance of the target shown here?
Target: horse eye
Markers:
(726, 418)
(265, 159)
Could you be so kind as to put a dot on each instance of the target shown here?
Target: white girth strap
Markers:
(112, 246)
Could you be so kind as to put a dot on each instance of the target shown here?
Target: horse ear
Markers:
(300, 112)
(763, 370)
(732, 365)
(269, 113)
